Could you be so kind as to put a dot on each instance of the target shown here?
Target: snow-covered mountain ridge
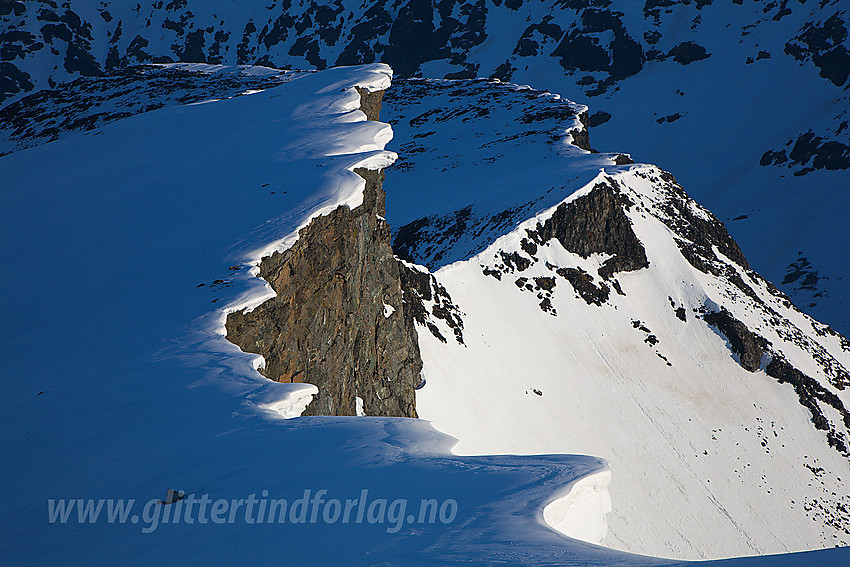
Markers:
(478, 157)
(147, 198)
(135, 390)
(87, 103)
(582, 303)
(657, 73)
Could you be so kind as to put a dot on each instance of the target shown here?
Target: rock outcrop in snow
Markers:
(338, 319)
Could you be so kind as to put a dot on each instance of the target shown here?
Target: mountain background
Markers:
(745, 101)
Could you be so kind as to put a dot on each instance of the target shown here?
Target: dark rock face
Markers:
(413, 38)
(422, 290)
(748, 346)
(810, 393)
(13, 80)
(687, 52)
(581, 49)
(802, 275)
(810, 152)
(598, 119)
(515, 261)
(581, 136)
(596, 223)
(823, 44)
(339, 320)
(582, 35)
(699, 233)
(582, 282)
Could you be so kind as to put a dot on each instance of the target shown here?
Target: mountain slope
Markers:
(745, 101)
(127, 246)
(616, 317)
(621, 328)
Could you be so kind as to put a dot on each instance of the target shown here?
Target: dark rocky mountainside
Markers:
(580, 36)
(339, 319)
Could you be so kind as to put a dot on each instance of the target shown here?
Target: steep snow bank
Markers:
(581, 512)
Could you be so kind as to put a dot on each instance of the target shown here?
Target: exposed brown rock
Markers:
(370, 102)
(338, 319)
(581, 136)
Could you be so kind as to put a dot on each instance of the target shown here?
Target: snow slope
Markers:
(118, 383)
(716, 460)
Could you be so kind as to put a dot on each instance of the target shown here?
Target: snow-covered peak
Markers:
(615, 316)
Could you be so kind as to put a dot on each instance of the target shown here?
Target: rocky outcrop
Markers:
(338, 320)
(596, 223)
(582, 282)
(810, 393)
(808, 153)
(370, 103)
(747, 345)
(426, 300)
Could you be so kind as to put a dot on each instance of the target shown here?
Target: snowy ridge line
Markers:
(690, 289)
(575, 123)
(799, 354)
(578, 508)
(100, 383)
(808, 344)
(346, 141)
(210, 69)
(478, 392)
(500, 129)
